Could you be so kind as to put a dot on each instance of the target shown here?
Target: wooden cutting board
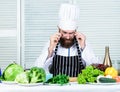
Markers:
(73, 79)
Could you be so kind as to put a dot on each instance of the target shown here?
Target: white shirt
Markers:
(87, 55)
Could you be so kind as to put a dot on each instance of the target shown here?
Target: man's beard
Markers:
(67, 43)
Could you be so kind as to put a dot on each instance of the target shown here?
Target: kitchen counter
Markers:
(73, 87)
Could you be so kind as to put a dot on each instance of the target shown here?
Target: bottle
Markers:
(107, 60)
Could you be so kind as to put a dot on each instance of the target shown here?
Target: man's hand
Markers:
(53, 42)
(81, 39)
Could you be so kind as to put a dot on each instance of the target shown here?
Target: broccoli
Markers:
(37, 75)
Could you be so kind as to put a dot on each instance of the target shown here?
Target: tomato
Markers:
(117, 78)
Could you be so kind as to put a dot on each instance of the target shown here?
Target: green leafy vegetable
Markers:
(89, 74)
(12, 70)
(58, 79)
(23, 77)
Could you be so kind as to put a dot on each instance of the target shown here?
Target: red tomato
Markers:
(117, 78)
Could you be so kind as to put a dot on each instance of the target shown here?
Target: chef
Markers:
(67, 52)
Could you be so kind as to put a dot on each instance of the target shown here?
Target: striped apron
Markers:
(68, 65)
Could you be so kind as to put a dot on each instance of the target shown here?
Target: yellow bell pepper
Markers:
(111, 71)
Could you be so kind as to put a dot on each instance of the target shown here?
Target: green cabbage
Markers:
(23, 77)
(12, 70)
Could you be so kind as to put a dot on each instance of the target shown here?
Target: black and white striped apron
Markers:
(68, 65)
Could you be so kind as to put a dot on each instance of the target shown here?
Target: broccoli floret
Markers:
(37, 75)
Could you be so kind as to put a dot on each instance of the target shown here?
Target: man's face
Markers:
(67, 38)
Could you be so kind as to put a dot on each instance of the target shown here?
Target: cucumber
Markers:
(106, 80)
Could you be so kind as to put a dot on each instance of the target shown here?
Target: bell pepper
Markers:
(111, 71)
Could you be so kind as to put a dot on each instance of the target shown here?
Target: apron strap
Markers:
(79, 55)
(56, 48)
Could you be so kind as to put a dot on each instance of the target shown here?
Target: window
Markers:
(9, 35)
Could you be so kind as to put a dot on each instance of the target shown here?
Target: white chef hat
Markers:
(68, 17)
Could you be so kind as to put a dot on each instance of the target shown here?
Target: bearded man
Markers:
(67, 51)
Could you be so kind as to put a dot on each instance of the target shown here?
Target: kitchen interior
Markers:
(26, 25)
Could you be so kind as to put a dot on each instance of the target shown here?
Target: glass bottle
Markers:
(107, 60)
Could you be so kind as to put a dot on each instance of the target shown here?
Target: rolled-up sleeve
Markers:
(43, 60)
